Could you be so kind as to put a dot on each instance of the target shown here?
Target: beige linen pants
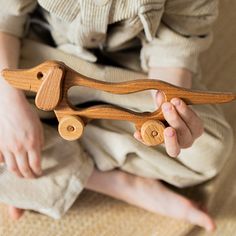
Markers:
(109, 144)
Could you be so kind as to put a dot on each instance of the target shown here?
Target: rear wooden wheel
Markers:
(152, 132)
(71, 127)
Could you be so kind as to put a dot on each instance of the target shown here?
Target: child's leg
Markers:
(148, 194)
(115, 147)
(112, 144)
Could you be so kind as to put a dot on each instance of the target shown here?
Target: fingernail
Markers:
(169, 132)
(176, 101)
(166, 106)
(159, 98)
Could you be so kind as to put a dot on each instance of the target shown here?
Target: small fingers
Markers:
(191, 119)
(159, 98)
(184, 135)
(35, 161)
(11, 164)
(33, 147)
(23, 165)
(171, 142)
(138, 136)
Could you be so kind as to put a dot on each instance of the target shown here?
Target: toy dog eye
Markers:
(39, 75)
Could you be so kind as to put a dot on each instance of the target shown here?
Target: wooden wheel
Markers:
(71, 127)
(152, 132)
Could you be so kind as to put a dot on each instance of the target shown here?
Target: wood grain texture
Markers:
(71, 127)
(52, 80)
(49, 94)
(152, 132)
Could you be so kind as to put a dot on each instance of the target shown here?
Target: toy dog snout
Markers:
(46, 80)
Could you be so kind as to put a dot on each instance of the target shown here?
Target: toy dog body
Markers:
(51, 81)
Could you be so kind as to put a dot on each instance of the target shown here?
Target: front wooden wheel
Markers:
(71, 127)
(152, 132)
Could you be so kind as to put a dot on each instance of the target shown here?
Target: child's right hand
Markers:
(21, 135)
(185, 126)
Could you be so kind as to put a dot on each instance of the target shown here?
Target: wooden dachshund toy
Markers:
(51, 81)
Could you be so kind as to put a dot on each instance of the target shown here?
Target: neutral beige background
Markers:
(95, 214)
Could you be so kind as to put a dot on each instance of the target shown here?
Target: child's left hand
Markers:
(185, 126)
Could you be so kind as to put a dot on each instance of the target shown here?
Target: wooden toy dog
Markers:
(52, 79)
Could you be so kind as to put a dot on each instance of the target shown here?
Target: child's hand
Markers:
(184, 124)
(21, 135)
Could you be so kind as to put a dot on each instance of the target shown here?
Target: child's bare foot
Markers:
(148, 194)
(15, 213)
(151, 195)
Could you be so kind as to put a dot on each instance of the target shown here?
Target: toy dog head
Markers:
(45, 79)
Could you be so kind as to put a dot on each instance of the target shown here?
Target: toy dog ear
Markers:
(49, 94)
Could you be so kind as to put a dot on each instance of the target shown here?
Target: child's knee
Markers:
(210, 152)
(221, 146)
